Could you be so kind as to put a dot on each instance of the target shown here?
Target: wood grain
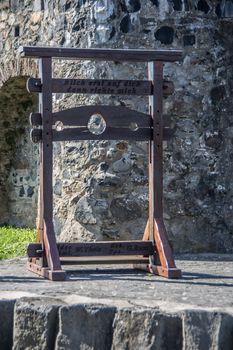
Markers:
(103, 54)
(103, 86)
(104, 248)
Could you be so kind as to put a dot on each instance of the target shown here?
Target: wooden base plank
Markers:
(171, 273)
(103, 248)
(56, 275)
(92, 260)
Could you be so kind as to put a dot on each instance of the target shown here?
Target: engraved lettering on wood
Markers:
(118, 87)
(115, 249)
(136, 248)
(65, 249)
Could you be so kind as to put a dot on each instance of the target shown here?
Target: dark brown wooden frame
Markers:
(153, 253)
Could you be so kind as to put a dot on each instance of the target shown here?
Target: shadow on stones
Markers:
(208, 257)
(18, 279)
(117, 275)
(188, 278)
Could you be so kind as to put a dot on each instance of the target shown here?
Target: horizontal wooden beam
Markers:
(35, 119)
(104, 248)
(36, 135)
(114, 116)
(97, 86)
(80, 134)
(129, 259)
(79, 116)
(103, 54)
(101, 86)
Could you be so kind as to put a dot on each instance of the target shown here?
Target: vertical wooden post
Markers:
(157, 230)
(155, 73)
(46, 172)
(40, 209)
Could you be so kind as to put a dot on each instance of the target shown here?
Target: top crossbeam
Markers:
(102, 54)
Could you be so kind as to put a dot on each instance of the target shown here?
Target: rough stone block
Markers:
(177, 5)
(226, 8)
(147, 330)
(6, 323)
(38, 5)
(4, 4)
(189, 40)
(125, 25)
(131, 5)
(85, 327)
(207, 330)
(203, 6)
(34, 324)
(225, 336)
(16, 5)
(165, 35)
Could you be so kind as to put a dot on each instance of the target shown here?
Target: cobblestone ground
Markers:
(207, 282)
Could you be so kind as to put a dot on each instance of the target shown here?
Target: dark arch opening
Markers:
(18, 156)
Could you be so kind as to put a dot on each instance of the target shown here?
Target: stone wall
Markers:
(49, 323)
(19, 158)
(101, 188)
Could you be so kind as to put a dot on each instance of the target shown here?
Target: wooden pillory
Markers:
(153, 253)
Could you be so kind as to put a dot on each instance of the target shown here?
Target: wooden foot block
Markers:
(55, 275)
(166, 272)
(159, 270)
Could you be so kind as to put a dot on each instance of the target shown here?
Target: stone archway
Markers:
(18, 157)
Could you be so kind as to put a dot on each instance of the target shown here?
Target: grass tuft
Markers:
(13, 241)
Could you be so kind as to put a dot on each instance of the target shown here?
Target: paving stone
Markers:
(147, 330)
(119, 308)
(85, 327)
(6, 323)
(35, 322)
(208, 330)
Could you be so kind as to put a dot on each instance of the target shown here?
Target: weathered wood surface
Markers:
(53, 275)
(36, 135)
(102, 54)
(103, 248)
(46, 167)
(79, 134)
(105, 260)
(35, 119)
(114, 116)
(76, 134)
(159, 270)
(157, 230)
(101, 86)
(119, 117)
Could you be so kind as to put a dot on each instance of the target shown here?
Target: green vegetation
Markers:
(13, 241)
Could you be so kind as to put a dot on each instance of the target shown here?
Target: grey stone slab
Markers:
(35, 322)
(147, 329)
(207, 330)
(6, 323)
(206, 283)
(85, 327)
(120, 308)
(225, 337)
